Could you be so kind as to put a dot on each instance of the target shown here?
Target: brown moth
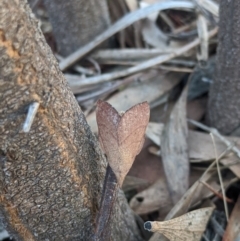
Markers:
(188, 227)
(121, 136)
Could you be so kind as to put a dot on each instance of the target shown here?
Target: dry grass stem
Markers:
(220, 178)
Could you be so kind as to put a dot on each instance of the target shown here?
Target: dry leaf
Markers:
(196, 110)
(131, 182)
(153, 198)
(229, 161)
(232, 232)
(121, 137)
(188, 227)
(174, 150)
(153, 84)
(132, 5)
(156, 197)
(199, 145)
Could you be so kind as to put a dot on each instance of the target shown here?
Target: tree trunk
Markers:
(224, 99)
(76, 22)
(50, 177)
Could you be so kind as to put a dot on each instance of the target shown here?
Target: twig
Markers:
(103, 56)
(209, 5)
(144, 65)
(217, 134)
(97, 93)
(217, 227)
(127, 54)
(215, 192)
(78, 68)
(220, 179)
(167, 20)
(109, 194)
(185, 27)
(203, 35)
(124, 22)
(95, 64)
(163, 67)
(32, 111)
(107, 90)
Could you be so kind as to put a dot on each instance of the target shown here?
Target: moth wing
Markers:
(174, 235)
(194, 221)
(107, 121)
(131, 132)
(189, 226)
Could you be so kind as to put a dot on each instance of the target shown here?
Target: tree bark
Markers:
(51, 177)
(224, 101)
(76, 22)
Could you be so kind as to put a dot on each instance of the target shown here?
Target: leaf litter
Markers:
(137, 70)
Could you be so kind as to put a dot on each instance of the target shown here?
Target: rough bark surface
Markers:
(224, 101)
(76, 22)
(51, 177)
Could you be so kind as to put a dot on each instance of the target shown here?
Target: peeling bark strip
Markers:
(49, 177)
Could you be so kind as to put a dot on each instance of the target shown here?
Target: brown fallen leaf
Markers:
(232, 232)
(188, 227)
(153, 198)
(121, 136)
(174, 149)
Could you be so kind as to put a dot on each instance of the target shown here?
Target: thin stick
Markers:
(126, 54)
(209, 5)
(32, 111)
(124, 22)
(78, 68)
(220, 178)
(108, 199)
(105, 91)
(163, 67)
(202, 27)
(219, 195)
(217, 134)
